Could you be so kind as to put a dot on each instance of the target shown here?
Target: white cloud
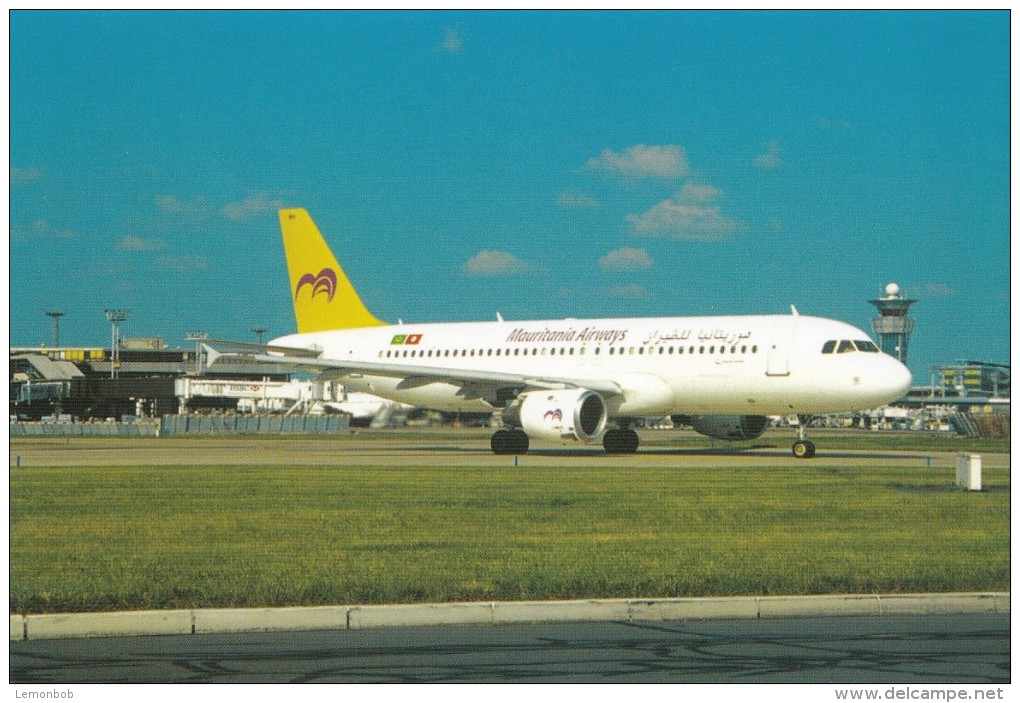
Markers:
(174, 206)
(40, 228)
(626, 259)
(253, 206)
(835, 125)
(133, 243)
(575, 200)
(771, 157)
(632, 291)
(497, 263)
(24, 175)
(641, 161)
(453, 41)
(939, 290)
(699, 193)
(687, 216)
(183, 264)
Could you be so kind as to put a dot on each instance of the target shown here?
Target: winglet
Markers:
(324, 298)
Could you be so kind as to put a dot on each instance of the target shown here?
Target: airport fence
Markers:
(253, 424)
(171, 425)
(84, 429)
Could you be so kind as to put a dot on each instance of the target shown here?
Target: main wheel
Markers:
(803, 449)
(501, 442)
(620, 441)
(512, 441)
(519, 442)
(631, 441)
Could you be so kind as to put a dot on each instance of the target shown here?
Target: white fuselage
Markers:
(740, 365)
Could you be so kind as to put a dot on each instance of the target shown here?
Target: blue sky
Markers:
(539, 164)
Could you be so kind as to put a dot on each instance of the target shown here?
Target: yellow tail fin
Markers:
(323, 297)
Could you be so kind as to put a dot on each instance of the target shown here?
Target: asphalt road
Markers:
(918, 649)
(445, 447)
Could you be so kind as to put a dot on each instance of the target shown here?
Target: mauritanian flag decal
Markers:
(405, 339)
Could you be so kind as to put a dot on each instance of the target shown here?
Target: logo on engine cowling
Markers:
(554, 415)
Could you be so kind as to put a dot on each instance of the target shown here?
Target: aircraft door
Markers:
(781, 339)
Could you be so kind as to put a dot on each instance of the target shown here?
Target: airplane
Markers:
(578, 381)
(367, 410)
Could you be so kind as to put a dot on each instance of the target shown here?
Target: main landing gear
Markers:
(620, 441)
(509, 441)
(803, 448)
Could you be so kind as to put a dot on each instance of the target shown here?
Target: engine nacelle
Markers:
(567, 416)
(732, 427)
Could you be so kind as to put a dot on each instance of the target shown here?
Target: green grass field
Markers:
(100, 538)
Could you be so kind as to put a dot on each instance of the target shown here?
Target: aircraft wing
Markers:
(413, 376)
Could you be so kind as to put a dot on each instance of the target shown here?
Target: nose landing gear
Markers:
(803, 448)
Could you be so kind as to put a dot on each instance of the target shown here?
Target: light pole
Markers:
(115, 317)
(55, 316)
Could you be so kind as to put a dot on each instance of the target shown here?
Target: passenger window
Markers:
(829, 347)
(845, 347)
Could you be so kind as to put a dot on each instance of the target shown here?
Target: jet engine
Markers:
(566, 416)
(732, 427)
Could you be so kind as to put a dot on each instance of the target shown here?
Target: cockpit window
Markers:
(845, 346)
(865, 345)
(829, 347)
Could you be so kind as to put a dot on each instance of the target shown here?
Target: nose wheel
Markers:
(803, 448)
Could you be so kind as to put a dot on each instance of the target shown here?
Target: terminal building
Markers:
(87, 383)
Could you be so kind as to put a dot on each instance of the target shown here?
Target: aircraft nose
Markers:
(896, 378)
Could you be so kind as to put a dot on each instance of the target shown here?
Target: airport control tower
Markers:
(893, 327)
